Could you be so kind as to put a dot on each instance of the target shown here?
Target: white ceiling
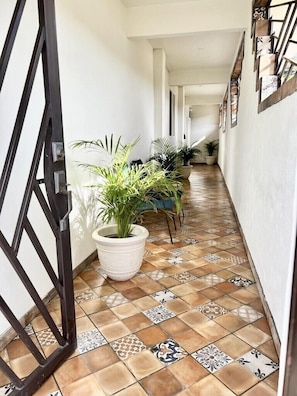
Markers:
(203, 50)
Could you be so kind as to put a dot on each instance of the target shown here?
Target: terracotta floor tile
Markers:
(190, 340)
(115, 330)
(212, 293)
(182, 290)
(84, 324)
(104, 290)
(211, 331)
(133, 293)
(125, 310)
(210, 386)
(177, 306)
(84, 386)
(152, 335)
(161, 383)
(252, 336)
(114, 378)
(137, 322)
(193, 318)
(231, 322)
(92, 278)
(243, 296)
(93, 306)
(272, 380)
(71, 371)
(103, 318)
(233, 346)
(188, 371)
(236, 378)
(195, 299)
(228, 302)
(145, 303)
(260, 389)
(99, 358)
(143, 364)
(135, 390)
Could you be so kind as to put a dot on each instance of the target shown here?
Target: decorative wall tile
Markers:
(264, 45)
(212, 358)
(168, 351)
(258, 364)
(158, 314)
(90, 340)
(269, 84)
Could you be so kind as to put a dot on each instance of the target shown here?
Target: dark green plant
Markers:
(122, 189)
(211, 146)
(186, 154)
(165, 154)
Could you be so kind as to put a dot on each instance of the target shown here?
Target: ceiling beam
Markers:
(199, 76)
(187, 18)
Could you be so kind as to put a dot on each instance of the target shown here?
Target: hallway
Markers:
(190, 323)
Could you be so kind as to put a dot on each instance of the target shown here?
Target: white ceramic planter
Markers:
(210, 159)
(120, 258)
(185, 171)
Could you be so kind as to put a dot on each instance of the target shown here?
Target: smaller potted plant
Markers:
(211, 147)
(165, 154)
(185, 155)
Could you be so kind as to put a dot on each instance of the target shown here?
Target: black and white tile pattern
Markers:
(90, 340)
(240, 281)
(158, 314)
(168, 351)
(258, 364)
(212, 358)
(164, 296)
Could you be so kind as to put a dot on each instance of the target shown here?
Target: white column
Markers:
(159, 92)
(181, 115)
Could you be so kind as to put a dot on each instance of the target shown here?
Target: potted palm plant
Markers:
(211, 146)
(185, 155)
(122, 191)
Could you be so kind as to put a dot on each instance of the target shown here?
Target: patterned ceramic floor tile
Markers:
(212, 310)
(168, 351)
(114, 299)
(152, 238)
(240, 281)
(258, 364)
(177, 252)
(46, 337)
(230, 231)
(127, 346)
(212, 279)
(6, 390)
(90, 340)
(158, 274)
(86, 295)
(158, 314)
(176, 260)
(236, 259)
(247, 313)
(185, 277)
(212, 258)
(212, 358)
(28, 329)
(191, 241)
(164, 296)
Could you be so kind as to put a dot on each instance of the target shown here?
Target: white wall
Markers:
(204, 123)
(106, 87)
(258, 160)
